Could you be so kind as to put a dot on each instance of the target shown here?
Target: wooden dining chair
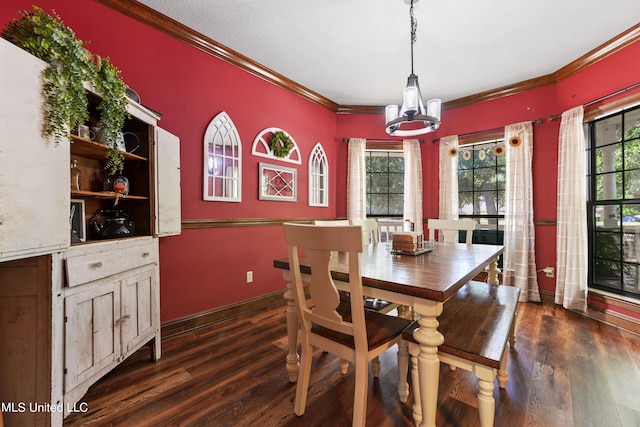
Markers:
(449, 229)
(370, 234)
(357, 335)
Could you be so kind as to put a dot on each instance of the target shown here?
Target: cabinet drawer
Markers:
(87, 267)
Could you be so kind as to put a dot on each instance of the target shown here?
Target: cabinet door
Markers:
(167, 175)
(92, 342)
(25, 334)
(34, 173)
(139, 310)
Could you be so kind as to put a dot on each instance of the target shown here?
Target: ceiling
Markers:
(357, 52)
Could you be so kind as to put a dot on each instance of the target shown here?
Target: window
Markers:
(614, 207)
(481, 187)
(385, 183)
(318, 177)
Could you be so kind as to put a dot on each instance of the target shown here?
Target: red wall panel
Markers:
(206, 268)
(538, 103)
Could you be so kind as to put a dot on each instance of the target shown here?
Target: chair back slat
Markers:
(370, 234)
(318, 243)
(448, 229)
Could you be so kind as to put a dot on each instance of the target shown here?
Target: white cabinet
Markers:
(139, 316)
(106, 321)
(31, 169)
(34, 172)
(91, 343)
(167, 183)
(69, 313)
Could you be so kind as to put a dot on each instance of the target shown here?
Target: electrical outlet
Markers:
(249, 276)
(548, 271)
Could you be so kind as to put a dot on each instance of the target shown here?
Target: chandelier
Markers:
(412, 119)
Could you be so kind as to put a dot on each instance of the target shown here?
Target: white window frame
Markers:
(318, 177)
(222, 132)
(261, 147)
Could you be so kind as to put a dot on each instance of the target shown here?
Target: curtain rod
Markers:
(595, 101)
(535, 122)
(382, 140)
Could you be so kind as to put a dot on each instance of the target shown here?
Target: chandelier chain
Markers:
(414, 27)
(414, 24)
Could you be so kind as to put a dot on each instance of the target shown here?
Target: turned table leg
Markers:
(403, 370)
(428, 338)
(493, 272)
(293, 359)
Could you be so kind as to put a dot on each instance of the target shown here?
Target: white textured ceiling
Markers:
(357, 52)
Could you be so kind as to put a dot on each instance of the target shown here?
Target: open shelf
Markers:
(96, 151)
(106, 195)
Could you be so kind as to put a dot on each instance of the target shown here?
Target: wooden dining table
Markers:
(423, 282)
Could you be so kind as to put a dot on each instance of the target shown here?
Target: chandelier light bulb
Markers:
(391, 113)
(434, 107)
(410, 100)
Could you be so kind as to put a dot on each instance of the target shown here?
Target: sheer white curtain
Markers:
(519, 266)
(356, 180)
(571, 233)
(413, 183)
(448, 208)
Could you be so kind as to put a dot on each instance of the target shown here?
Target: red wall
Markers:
(497, 113)
(205, 268)
(607, 76)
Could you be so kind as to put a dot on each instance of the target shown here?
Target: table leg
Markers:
(493, 272)
(403, 371)
(293, 360)
(428, 338)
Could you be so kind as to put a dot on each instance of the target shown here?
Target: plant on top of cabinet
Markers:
(113, 112)
(48, 38)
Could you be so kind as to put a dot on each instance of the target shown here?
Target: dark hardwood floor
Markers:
(565, 370)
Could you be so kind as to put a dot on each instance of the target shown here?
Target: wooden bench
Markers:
(476, 324)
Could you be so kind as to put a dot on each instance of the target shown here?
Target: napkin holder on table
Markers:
(406, 241)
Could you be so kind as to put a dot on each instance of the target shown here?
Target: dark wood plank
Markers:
(232, 373)
(476, 321)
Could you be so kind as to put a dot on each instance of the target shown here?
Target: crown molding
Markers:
(360, 109)
(500, 92)
(146, 15)
(614, 45)
(155, 19)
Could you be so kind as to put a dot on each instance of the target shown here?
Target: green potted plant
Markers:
(69, 67)
(113, 112)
